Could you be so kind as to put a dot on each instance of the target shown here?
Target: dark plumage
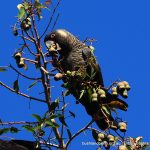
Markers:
(18, 145)
(74, 55)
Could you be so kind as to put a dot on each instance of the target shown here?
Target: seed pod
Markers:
(19, 6)
(122, 126)
(111, 138)
(26, 24)
(127, 86)
(68, 73)
(21, 63)
(121, 86)
(15, 31)
(125, 94)
(101, 93)
(28, 20)
(94, 97)
(101, 136)
(99, 140)
(122, 147)
(17, 56)
(114, 91)
(58, 76)
(106, 145)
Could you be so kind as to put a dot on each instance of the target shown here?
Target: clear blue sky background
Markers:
(122, 31)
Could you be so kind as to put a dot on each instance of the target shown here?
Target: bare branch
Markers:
(51, 18)
(49, 144)
(22, 94)
(31, 61)
(55, 22)
(28, 39)
(27, 45)
(77, 133)
(17, 122)
(30, 78)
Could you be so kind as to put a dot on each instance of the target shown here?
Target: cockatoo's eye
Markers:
(52, 35)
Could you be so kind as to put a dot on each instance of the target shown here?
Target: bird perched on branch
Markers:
(82, 76)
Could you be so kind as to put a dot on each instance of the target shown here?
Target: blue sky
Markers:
(122, 31)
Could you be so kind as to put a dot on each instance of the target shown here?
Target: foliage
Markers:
(26, 28)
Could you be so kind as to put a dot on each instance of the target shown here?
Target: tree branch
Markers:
(77, 133)
(22, 94)
(17, 122)
(51, 18)
(30, 78)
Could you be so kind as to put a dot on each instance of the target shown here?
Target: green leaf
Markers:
(29, 128)
(72, 114)
(54, 105)
(62, 120)
(51, 124)
(2, 69)
(14, 130)
(26, 5)
(106, 110)
(38, 5)
(16, 86)
(82, 93)
(21, 13)
(55, 116)
(4, 130)
(69, 133)
(31, 85)
(128, 147)
(66, 85)
(94, 134)
(37, 117)
(66, 93)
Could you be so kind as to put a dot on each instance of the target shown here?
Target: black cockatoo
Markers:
(82, 75)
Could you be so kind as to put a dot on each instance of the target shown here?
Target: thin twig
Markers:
(17, 122)
(91, 128)
(77, 133)
(31, 61)
(51, 18)
(30, 78)
(22, 94)
(49, 144)
(27, 45)
(55, 22)
(34, 27)
(28, 39)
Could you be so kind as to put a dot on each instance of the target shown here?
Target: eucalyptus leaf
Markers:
(16, 86)
(4, 130)
(14, 130)
(21, 13)
(2, 69)
(37, 117)
(62, 120)
(28, 128)
(52, 124)
(32, 84)
(72, 114)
